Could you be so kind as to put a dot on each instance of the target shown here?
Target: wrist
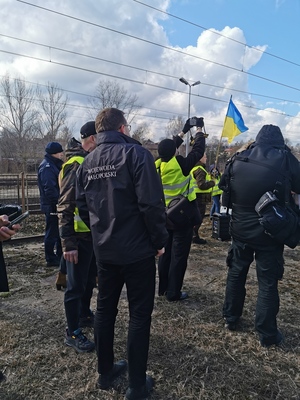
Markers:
(181, 134)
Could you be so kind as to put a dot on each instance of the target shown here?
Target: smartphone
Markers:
(18, 219)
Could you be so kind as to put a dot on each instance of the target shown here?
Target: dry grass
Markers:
(191, 355)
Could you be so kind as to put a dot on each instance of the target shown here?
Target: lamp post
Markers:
(183, 80)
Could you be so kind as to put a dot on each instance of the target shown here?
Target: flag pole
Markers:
(220, 141)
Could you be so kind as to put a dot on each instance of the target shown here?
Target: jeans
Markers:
(173, 263)
(80, 284)
(269, 269)
(52, 239)
(215, 208)
(139, 278)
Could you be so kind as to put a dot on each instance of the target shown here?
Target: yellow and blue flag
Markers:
(234, 123)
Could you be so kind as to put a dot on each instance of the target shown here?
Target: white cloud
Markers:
(229, 58)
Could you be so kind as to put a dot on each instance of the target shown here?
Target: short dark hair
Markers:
(109, 119)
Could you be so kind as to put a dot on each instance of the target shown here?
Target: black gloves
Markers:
(9, 209)
(187, 126)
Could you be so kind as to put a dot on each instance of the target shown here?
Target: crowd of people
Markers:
(105, 212)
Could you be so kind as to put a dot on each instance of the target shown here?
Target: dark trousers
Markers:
(80, 284)
(139, 278)
(269, 269)
(52, 239)
(202, 210)
(173, 263)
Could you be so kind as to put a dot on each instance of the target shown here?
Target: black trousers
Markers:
(52, 239)
(80, 284)
(269, 269)
(173, 263)
(202, 210)
(139, 279)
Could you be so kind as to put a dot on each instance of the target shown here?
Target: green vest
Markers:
(194, 182)
(79, 225)
(173, 180)
(216, 190)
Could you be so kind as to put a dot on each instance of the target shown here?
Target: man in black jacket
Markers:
(119, 187)
(247, 177)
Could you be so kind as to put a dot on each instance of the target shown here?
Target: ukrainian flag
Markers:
(234, 123)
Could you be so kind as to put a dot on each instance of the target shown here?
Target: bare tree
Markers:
(111, 94)
(174, 126)
(19, 121)
(141, 133)
(53, 118)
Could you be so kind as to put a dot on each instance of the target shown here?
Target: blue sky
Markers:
(159, 50)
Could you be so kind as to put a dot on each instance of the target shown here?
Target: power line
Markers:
(138, 68)
(160, 45)
(217, 33)
(139, 82)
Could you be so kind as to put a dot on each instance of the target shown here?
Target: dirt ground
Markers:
(191, 355)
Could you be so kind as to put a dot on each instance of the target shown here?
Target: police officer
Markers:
(49, 192)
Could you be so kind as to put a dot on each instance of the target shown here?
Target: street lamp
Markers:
(183, 80)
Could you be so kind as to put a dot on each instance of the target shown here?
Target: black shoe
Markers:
(2, 377)
(53, 263)
(277, 341)
(105, 381)
(140, 393)
(79, 342)
(198, 240)
(231, 326)
(87, 322)
(183, 296)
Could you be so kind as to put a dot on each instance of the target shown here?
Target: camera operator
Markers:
(175, 175)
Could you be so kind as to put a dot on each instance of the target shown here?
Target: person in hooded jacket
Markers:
(174, 171)
(48, 172)
(248, 175)
(77, 246)
(119, 194)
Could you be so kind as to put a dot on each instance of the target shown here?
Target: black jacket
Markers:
(119, 186)
(252, 172)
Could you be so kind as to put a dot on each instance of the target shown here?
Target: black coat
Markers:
(250, 174)
(119, 186)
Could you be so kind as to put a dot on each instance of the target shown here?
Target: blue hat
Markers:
(54, 148)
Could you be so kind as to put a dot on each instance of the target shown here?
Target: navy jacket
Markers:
(48, 183)
(119, 186)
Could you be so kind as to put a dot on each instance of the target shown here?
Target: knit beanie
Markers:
(54, 148)
(271, 135)
(166, 148)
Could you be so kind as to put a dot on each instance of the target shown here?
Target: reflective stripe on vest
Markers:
(79, 225)
(216, 190)
(194, 182)
(173, 180)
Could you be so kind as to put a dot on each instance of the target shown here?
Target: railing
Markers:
(21, 189)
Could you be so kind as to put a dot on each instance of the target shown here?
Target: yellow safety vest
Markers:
(173, 180)
(79, 225)
(216, 190)
(194, 182)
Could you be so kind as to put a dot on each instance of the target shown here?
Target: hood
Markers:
(74, 148)
(270, 135)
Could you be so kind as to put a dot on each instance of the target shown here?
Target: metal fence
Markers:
(21, 189)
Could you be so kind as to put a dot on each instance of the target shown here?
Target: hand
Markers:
(160, 252)
(71, 256)
(6, 233)
(187, 126)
